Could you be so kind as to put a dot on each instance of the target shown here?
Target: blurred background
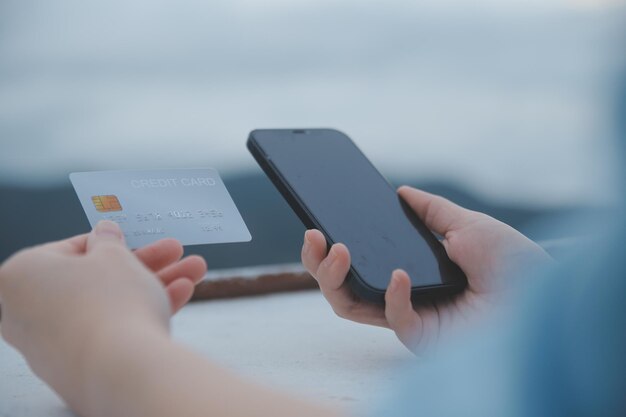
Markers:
(502, 106)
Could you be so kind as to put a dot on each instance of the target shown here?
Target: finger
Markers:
(331, 281)
(313, 250)
(331, 275)
(192, 267)
(160, 254)
(179, 293)
(105, 233)
(438, 214)
(404, 321)
(332, 270)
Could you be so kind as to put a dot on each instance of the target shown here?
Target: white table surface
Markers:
(291, 341)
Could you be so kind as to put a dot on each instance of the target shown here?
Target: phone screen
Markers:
(352, 203)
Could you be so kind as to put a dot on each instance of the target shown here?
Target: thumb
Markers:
(105, 232)
(438, 214)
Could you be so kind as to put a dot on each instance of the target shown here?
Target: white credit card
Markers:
(191, 205)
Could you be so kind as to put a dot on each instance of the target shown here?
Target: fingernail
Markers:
(307, 243)
(108, 228)
(393, 284)
(330, 259)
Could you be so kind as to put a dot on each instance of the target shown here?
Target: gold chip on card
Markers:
(106, 203)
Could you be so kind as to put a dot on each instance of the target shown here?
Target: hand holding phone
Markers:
(334, 188)
(488, 251)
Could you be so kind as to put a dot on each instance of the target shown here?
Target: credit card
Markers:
(191, 205)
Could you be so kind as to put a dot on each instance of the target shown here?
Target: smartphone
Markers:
(334, 188)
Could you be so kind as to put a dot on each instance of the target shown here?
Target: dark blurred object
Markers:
(30, 216)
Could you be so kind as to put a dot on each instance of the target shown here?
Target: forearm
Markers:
(148, 374)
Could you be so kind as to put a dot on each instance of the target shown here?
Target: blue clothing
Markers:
(561, 351)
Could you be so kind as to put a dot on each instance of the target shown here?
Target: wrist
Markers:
(108, 357)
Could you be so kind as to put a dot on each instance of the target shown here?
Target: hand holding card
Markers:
(191, 205)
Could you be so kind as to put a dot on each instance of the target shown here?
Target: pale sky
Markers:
(510, 99)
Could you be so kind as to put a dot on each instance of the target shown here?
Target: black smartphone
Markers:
(334, 188)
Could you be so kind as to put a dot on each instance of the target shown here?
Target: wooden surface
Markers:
(244, 282)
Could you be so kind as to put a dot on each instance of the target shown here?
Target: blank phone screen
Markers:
(352, 203)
